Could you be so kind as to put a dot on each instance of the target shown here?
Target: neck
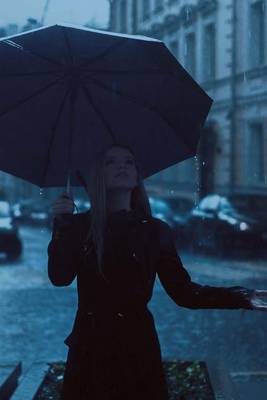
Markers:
(118, 201)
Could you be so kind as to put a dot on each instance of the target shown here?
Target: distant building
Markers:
(222, 44)
(32, 23)
(8, 30)
(2, 32)
(11, 29)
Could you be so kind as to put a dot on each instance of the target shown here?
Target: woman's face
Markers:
(120, 161)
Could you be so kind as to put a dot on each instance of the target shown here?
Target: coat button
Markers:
(120, 315)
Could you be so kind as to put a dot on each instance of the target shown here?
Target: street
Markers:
(36, 317)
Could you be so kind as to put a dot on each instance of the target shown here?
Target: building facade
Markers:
(222, 44)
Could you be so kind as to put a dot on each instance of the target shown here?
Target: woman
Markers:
(115, 250)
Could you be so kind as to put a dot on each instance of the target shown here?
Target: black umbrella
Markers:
(68, 92)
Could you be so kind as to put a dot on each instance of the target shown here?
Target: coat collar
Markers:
(124, 215)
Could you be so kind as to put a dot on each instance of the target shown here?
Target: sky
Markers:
(71, 11)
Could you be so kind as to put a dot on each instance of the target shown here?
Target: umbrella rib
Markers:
(52, 137)
(43, 89)
(98, 112)
(107, 51)
(143, 104)
(31, 52)
(29, 74)
(122, 71)
(66, 38)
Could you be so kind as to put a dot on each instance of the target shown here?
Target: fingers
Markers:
(261, 292)
(260, 308)
(67, 195)
(64, 204)
(259, 303)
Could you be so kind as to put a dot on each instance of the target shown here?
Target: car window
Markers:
(180, 204)
(225, 204)
(4, 209)
(209, 203)
(158, 205)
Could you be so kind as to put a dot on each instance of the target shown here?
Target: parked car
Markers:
(82, 204)
(16, 211)
(160, 209)
(39, 215)
(21, 210)
(181, 207)
(223, 223)
(10, 242)
(32, 212)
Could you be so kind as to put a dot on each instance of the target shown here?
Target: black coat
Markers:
(114, 351)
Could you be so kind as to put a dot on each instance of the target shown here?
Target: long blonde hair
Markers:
(96, 189)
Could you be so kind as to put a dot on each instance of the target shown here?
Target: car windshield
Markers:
(4, 209)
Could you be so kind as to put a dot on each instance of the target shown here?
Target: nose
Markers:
(122, 166)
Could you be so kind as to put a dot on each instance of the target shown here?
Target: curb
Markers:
(31, 382)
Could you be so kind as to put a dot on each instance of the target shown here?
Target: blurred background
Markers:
(215, 203)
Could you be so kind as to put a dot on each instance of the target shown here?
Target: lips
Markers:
(122, 174)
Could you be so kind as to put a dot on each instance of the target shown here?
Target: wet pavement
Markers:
(35, 316)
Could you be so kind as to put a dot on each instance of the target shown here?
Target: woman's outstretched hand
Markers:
(259, 300)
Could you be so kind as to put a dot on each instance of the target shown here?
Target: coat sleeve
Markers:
(63, 250)
(179, 286)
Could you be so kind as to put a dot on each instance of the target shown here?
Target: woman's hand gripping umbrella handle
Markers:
(64, 206)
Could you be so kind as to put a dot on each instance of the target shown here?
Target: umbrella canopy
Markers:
(68, 92)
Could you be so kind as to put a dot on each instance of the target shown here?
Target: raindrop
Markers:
(244, 77)
(41, 191)
(196, 163)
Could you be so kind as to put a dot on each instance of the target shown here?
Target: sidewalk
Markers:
(43, 318)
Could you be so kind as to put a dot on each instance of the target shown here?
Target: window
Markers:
(158, 5)
(190, 54)
(4, 209)
(2, 32)
(145, 9)
(256, 153)
(257, 34)
(173, 46)
(123, 16)
(209, 52)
